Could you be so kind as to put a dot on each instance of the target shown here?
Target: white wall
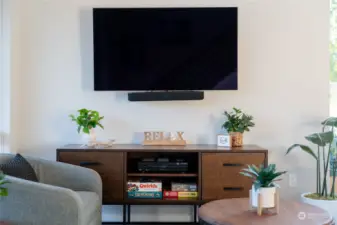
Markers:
(283, 82)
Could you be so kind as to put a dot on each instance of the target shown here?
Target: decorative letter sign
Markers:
(164, 138)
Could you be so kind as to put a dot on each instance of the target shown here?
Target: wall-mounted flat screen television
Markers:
(165, 49)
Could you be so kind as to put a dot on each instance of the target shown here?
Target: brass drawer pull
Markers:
(89, 163)
(233, 188)
(233, 164)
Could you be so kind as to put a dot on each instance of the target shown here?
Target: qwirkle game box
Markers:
(151, 190)
(144, 186)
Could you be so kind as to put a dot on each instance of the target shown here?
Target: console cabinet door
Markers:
(109, 165)
(221, 176)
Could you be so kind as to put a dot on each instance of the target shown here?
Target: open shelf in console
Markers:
(165, 163)
(167, 168)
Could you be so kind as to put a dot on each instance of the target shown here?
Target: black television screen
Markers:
(165, 49)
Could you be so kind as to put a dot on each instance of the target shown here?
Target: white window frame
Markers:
(4, 75)
(333, 97)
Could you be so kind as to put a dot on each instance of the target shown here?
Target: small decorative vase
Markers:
(237, 139)
(89, 139)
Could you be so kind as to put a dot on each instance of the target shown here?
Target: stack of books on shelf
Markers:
(181, 191)
(145, 190)
(153, 190)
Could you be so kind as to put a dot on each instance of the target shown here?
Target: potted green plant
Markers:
(87, 121)
(324, 196)
(3, 190)
(3, 181)
(236, 124)
(264, 179)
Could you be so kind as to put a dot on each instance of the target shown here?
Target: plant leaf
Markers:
(100, 125)
(86, 130)
(275, 185)
(271, 168)
(305, 148)
(79, 129)
(321, 139)
(250, 171)
(72, 117)
(3, 191)
(257, 185)
(254, 168)
(331, 121)
(248, 175)
(277, 180)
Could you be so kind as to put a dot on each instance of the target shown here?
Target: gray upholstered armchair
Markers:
(65, 195)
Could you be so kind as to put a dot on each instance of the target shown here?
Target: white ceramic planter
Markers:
(329, 206)
(89, 139)
(268, 197)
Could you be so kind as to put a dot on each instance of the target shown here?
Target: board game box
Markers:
(177, 195)
(183, 187)
(144, 186)
(148, 194)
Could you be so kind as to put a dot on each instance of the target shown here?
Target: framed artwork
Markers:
(224, 140)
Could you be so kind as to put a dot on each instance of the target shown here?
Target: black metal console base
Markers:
(127, 218)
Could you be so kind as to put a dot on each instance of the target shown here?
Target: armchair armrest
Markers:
(68, 176)
(35, 203)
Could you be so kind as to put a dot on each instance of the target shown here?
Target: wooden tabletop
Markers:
(236, 212)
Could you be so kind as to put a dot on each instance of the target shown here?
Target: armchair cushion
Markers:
(18, 167)
(91, 206)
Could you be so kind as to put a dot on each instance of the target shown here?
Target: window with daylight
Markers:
(333, 58)
(4, 77)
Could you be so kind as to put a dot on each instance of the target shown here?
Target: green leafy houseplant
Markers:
(324, 144)
(237, 121)
(263, 177)
(3, 181)
(86, 120)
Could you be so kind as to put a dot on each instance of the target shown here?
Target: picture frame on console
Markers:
(224, 140)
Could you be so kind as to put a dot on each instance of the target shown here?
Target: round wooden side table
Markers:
(237, 212)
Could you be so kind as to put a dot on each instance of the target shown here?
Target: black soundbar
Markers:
(166, 96)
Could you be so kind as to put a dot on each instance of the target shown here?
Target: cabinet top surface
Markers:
(135, 147)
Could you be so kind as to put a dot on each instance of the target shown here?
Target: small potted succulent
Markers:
(87, 121)
(236, 124)
(264, 179)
